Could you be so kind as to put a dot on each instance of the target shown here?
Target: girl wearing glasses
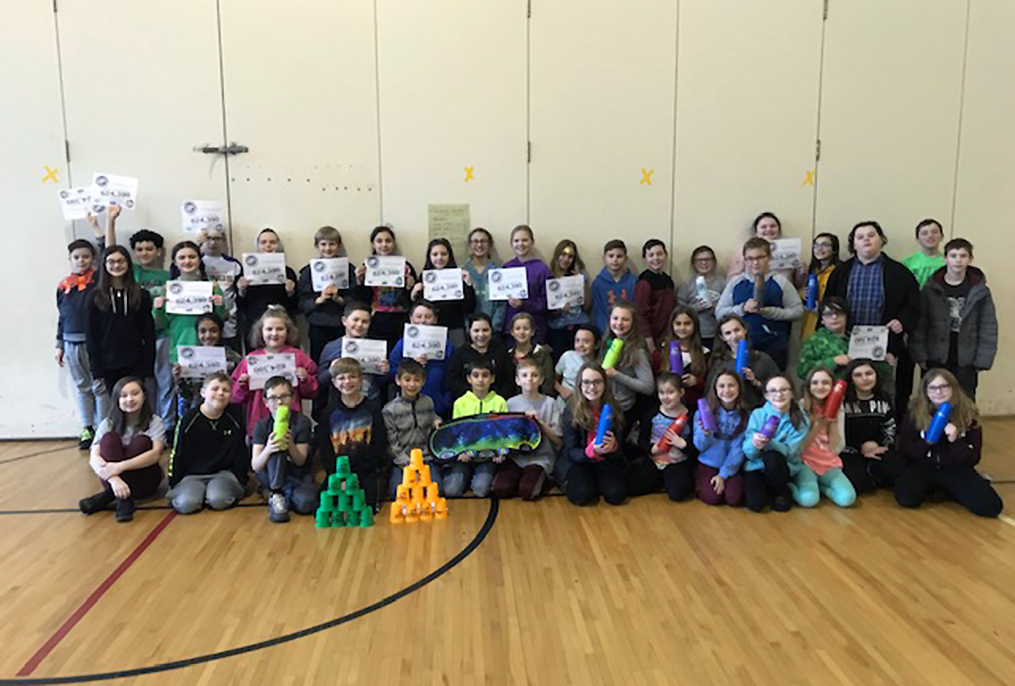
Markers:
(824, 260)
(478, 265)
(702, 292)
(772, 461)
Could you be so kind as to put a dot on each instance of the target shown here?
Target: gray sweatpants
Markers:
(92, 399)
(220, 491)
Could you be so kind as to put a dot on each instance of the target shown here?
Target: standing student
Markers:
(586, 351)
(389, 305)
(480, 399)
(683, 330)
(356, 323)
(587, 469)
(73, 296)
(523, 331)
(273, 333)
(353, 426)
(614, 283)
(721, 452)
(880, 292)
(760, 367)
(481, 345)
(667, 462)
(524, 474)
(654, 294)
(767, 301)
(209, 328)
(767, 226)
(869, 458)
(126, 451)
(425, 313)
(631, 381)
(226, 270)
(409, 419)
(702, 291)
(824, 259)
(281, 462)
(821, 472)
(209, 461)
(949, 464)
(958, 328)
(536, 273)
(928, 259)
(121, 332)
(450, 313)
(565, 321)
(323, 309)
(254, 300)
(772, 462)
(479, 264)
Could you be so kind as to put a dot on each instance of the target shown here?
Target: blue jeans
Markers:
(463, 474)
(396, 480)
(299, 489)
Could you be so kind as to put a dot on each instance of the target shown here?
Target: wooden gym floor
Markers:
(651, 592)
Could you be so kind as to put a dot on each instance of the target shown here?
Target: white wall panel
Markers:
(36, 397)
(747, 97)
(889, 115)
(300, 93)
(602, 101)
(452, 95)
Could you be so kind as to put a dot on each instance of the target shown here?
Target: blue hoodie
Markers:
(722, 449)
(606, 291)
(436, 370)
(787, 439)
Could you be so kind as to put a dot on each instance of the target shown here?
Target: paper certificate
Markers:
(188, 297)
(443, 284)
(75, 203)
(421, 340)
(565, 290)
(385, 270)
(505, 284)
(785, 254)
(110, 189)
(263, 367)
(198, 361)
(264, 268)
(369, 353)
(199, 215)
(333, 271)
(868, 343)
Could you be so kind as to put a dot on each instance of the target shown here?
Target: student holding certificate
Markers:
(451, 310)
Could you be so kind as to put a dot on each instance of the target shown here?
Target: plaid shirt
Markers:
(866, 293)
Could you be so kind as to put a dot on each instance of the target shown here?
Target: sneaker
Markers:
(124, 509)
(278, 508)
(96, 503)
(85, 441)
(782, 503)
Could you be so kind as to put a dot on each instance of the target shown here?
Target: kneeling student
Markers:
(280, 462)
(524, 474)
(209, 460)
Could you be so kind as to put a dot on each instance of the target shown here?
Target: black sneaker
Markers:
(782, 503)
(85, 442)
(124, 509)
(96, 503)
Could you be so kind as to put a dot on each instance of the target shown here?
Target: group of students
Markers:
(518, 356)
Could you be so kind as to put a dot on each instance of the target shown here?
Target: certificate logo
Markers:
(251, 260)
(553, 285)
(189, 207)
(64, 194)
(176, 288)
(412, 332)
(187, 353)
(319, 266)
(496, 277)
(372, 262)
(129, 203)
(878, 352)
(350, 347)
(430, 277)
(101, 181)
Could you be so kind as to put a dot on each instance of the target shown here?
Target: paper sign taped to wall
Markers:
(451, 222)
(200, 215)
(109, 189)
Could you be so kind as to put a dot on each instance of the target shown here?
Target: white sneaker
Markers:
(278, 508)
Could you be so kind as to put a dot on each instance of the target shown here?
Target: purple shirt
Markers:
(537, 273)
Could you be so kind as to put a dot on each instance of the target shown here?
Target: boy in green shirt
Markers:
(929, 259)
(479, 375)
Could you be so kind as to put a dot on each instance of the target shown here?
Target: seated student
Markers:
(586, 351)
(280, 463)
(126, 451)
(683, 326)
(353, 427)
(958, 326)
(480, 345)
(523, 328)
(869, 459)
(772, 462)
(630, 379)
(356, 322)
(323, 309)
(721, 451)
(425, 312)
(668, 465)
(949, 464)
(586, 469)
(760, 366)
(72, 298)
(480, 399)
(209, 334)
(821, 472)
(523, 474)
(409, 419)
(767, 301)
(209, 461)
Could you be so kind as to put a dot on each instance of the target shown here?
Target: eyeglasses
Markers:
(285, 397)
(939, 388)
(592, 382)
(115, 262)
(823, 244)
(779, 391)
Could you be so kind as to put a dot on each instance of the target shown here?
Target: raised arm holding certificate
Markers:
(331, 271)
(263, 367)
(567, 290)
(508, 283)
(198, 361)
(200, 215)
(110, 189)
(443, 284)
(264, 268)
(385, 270)
(420, 340)
(188, 297)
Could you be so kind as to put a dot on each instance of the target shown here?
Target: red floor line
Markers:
(92, 599)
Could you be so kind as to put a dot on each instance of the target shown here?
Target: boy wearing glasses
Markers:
(766, 301)
(280, 462)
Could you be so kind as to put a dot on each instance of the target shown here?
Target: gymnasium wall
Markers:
(679, 119)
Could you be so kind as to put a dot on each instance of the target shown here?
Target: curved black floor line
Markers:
(491, 517)
(36, 454)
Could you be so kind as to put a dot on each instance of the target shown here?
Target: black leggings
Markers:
(772, 480)
(962, 484)
(644, 477)
(586, 481)
(868, 475)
